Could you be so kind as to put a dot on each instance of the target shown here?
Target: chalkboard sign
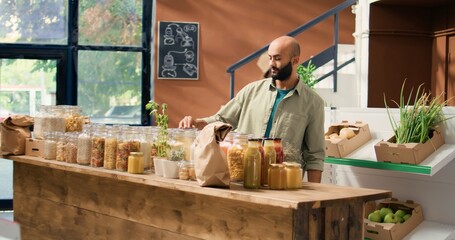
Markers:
(178, 56)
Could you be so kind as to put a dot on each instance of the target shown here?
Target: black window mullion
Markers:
(68, 88)
(146, 58)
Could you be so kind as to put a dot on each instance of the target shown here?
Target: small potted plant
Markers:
(161, 145)
(417, 133)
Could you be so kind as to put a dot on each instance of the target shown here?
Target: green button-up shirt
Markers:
(298, 120)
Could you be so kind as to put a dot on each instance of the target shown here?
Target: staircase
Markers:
(336, 61)
(346, 92)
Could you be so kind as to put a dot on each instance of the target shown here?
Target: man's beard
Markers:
(284, 73)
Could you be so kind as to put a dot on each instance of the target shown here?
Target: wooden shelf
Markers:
(365, 156)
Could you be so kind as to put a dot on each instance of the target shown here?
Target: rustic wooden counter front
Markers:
(57, 200)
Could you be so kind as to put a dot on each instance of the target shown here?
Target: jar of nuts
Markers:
(235, 155)
(186, 171)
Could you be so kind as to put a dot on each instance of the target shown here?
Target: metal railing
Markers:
(327, 55)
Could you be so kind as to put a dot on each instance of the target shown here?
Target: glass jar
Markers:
(277, 177)
(38, 131)
(147, 135)
(235, 156)
(98, 146)
(188, 138)
(264, 166)
(110, 147)
(151, 138)
(226, 143)
(294, 175)
(279, 150)
(252, 165)
(61, 143)
(73, 119)
(71, 148)
(136, 162)
(84, 145)
(176, 145)
(269, 158)
(191, 170)
(193, 146)
(50, 146)
(128, 142)
(54, 120)
(184, 171)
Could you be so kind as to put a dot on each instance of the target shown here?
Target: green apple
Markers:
(384, 211)
(400, 213)
(406, 217)
(374, 217)
(399, 219)
(390, 218)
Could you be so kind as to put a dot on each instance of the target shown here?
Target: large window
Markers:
(37, 22)
(91, 53)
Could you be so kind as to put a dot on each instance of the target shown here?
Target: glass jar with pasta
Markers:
(235, 155)
(71, 148)
(98, 146)
(73, 119)
(110, 147)
(128, 142)
(61, 144)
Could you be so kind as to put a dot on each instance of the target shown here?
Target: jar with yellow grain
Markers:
(235, 156)
(110, 147)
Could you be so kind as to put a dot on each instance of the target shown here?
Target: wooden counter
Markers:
(56, 200)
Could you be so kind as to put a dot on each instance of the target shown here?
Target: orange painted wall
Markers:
(230, 30)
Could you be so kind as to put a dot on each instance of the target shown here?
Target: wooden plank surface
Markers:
(319, 195)
(105, 204)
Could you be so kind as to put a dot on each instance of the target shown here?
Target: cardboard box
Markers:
(341, 147)
(34, 147)
(410, 153)
(392, 231)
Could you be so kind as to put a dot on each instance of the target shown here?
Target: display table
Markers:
(57, 200)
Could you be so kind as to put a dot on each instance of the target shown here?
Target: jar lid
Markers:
(137, 153)
(292, 164)
(276, 165)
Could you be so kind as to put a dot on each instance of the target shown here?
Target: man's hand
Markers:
(190, 122)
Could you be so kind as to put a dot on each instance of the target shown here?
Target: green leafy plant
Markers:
(307, 74)
(417, 120)
(162, 121)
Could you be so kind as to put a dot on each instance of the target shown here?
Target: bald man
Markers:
(281, 106)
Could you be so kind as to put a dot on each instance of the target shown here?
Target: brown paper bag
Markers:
(210, 164)
(15, 129)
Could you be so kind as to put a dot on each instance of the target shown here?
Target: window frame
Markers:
(67, 59)
(67, 56)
